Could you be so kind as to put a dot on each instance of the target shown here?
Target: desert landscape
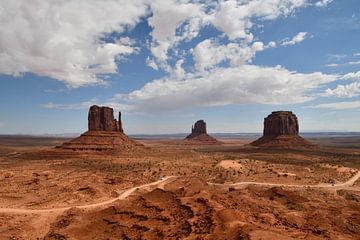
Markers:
(160, 188)
(179, 120)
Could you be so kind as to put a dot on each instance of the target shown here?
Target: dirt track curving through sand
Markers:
(161, 183)
(346, 184)
(123, 195)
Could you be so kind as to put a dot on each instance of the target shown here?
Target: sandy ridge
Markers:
(122, 196)
(162, 182)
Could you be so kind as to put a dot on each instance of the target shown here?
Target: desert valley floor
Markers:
(169, 189)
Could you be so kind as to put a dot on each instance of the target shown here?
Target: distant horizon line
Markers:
(171, 134)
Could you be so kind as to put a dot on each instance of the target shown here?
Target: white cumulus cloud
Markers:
(347, 90)
(234, 17)
(167, 17)
(62, 39)
(209, 53)
(223, 86)
(175, 21)
(301, 36)
(323, 3)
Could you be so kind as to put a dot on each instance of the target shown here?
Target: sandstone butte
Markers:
(104, 133)
(281, 129)
(199, 134)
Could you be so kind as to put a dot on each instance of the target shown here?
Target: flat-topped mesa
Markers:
(281, 123)
(199, 127)
(102, 119)
(199, 134)
(281, 130)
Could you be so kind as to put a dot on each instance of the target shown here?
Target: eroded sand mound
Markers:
(101, 140)
(202, 139)
(283, 141)
(191, 209)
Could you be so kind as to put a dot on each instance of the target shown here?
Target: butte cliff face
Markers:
(104, 133)
(281, 129)
(199, 128)
(102, 119)
(199, 134)
(281, 123)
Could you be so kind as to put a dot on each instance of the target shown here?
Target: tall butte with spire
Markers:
(281, 129)
(102, 119)
(199, 134)
(104, 133)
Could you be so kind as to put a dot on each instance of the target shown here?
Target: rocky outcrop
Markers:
(104, 133)
(102, 119)
(119, 127)
(281, 129)
(281, 123)
(199, 134)
(198, 128)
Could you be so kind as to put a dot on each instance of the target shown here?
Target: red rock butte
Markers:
(102, 119)
(104, 133)
(281, 129)
(199, 134)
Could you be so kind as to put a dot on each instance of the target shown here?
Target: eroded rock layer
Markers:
(281, 129)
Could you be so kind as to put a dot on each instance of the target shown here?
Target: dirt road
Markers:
(122, 196)
(161, 183)
(346, 184)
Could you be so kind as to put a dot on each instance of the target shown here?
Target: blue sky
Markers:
(167, 63)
